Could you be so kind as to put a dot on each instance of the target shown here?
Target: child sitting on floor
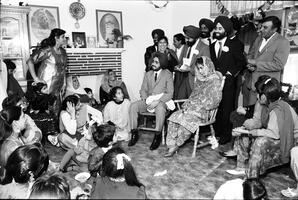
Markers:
(118, 179)
(102, 135)
(52, 186)
(92, 101)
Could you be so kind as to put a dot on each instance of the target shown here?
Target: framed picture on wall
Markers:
(91, 42)
(291, 27)
(79, 39)
(41, 20)
(107, 22)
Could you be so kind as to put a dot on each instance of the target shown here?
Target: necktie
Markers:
(188, 52)
(220, 49)
(209, 41)
(155, 77)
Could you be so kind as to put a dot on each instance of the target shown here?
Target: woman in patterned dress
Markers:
(52, 70)
(205, 96)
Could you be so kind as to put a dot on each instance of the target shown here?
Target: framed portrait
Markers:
(79, 39)
(91, 42)
(291, 27)
(106, 22)
(41, 20)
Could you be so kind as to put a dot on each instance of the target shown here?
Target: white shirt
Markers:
(264, 42)
(178, 51)
(216, 46)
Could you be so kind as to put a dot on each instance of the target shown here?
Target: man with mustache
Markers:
(158, 80)
(196, 48)
(228, 58)
(206, 26)
(156, 33)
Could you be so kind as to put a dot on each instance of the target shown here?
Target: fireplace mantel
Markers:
(93, 61)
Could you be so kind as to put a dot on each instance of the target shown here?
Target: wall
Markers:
(139, 19)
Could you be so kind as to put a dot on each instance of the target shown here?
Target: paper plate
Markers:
(82, 177)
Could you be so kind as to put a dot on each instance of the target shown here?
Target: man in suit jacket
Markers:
(156, 33)
(206, 26)
(228, 58)
(196, 48)
(268, 55)
(182, 88)
(156, 81)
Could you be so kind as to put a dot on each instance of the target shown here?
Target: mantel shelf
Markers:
(95, 50)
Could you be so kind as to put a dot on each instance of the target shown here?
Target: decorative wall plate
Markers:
(77, 10)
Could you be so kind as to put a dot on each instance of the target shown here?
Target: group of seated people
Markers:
(90, 131)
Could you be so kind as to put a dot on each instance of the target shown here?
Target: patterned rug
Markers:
(186, 178)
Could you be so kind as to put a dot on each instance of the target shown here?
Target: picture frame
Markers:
(79, 39)
(290, 27)
(91, 42)
(41, 20)
(106, 21)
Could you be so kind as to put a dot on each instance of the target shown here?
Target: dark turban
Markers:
(192, 31)
(225, 22)
(159, 32)
(209, 23)
(9, 64)
(163, 59)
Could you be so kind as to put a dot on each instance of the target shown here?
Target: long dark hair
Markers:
(253, 189)
(7, 116)
(109, 167)
(72, 99)
(51, 40)
(22, 162)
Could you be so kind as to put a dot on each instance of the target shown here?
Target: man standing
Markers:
(206, 26)
(159, 80)
(156, 33)
(228, 58)
(196, 49)
(268, 55)
(182, 88)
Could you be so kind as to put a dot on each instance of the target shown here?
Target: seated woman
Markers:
(25, 126)
(205, 96)
(69, 137)
(270, 137)
(108, 82)
(8, 139)
(23, 166)
(41, 114)
(117, 112)
(74, 87)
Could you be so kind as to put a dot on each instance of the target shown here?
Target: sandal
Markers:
(290, 193)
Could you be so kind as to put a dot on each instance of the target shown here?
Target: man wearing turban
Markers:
(206, 26)
(196, 48)
(158, 81)
(156, 33)
(228, 58)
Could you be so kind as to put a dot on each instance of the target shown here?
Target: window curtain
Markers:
(243, 7)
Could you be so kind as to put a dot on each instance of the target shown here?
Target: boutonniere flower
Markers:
(225, 49)
(196, 51)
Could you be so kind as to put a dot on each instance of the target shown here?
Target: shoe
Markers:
(156, 141)
(229, 154)
(134, 137)
(171, 152)
(53, 140)
(236, 171)
(290, 193)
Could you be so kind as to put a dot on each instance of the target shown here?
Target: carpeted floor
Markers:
(186, 178)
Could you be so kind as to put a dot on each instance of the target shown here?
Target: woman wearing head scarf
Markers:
(110, 81)
(205, 96)
(52, 70)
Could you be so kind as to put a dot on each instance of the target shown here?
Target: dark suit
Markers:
(182, 88)
(232, 61)
(149, 51)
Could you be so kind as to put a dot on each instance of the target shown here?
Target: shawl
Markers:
(285, 125)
